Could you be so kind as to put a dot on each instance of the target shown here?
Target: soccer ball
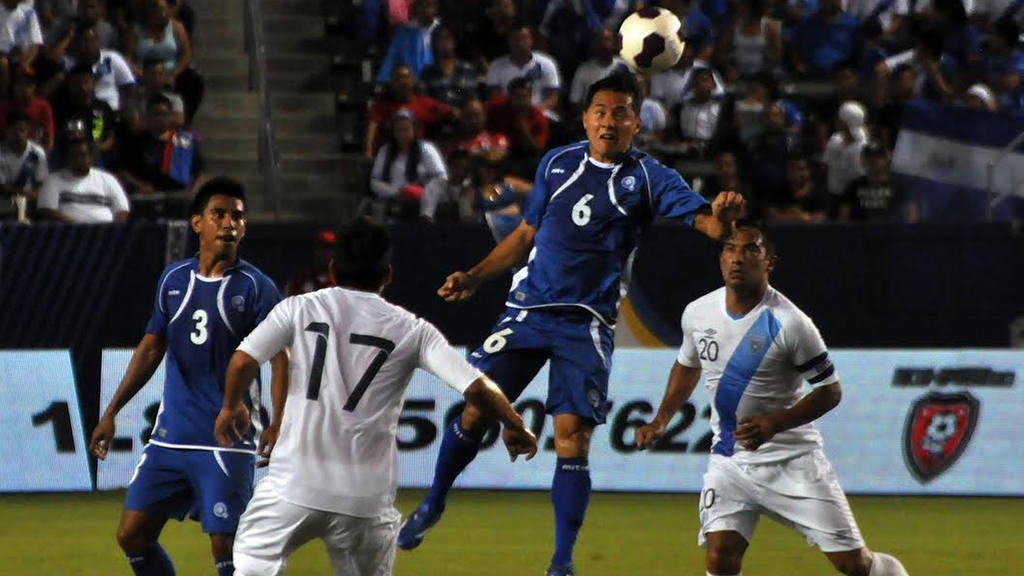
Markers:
(651, 39)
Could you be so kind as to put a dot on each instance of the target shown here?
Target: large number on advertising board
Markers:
(43, 447)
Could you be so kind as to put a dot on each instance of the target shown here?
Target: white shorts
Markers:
(802, 493)
(271, 529)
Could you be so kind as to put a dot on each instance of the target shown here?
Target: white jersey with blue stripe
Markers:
(203, 320)
(755, 364)
(589, 216)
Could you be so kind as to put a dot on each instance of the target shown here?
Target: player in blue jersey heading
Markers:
(204, 307)
(589, 205)
(756, 348)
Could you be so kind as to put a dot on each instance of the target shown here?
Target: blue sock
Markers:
(152, 561)
(225, 568)
(570, 494)
(458, 449)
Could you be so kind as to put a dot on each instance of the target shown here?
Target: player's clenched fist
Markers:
(101, 436)
(648, 434)
(728, 206)
(519, 441)
(458, 286)
(231, 425)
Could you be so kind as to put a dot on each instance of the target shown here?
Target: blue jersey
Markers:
(203, 320)
(589, 217)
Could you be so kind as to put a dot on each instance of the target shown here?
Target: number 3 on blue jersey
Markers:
(200, 334)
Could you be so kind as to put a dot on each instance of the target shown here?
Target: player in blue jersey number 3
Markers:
(589, 204)
(204, 307)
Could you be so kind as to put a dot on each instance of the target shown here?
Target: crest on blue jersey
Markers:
(629, 183)
(238, 303)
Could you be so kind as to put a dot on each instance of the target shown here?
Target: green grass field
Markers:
(509, 534)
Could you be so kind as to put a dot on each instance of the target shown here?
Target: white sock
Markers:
(885, 565)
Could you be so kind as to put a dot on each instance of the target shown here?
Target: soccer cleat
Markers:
(416, 526)
(566, 570)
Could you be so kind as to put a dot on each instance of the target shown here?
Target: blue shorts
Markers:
(578, 346)
(212, 486)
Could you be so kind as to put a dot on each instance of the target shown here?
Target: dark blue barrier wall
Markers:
(89, 287)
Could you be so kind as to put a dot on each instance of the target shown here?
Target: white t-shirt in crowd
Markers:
(93, 198)
(19, 27)
(352, 355)
(541, 69)
(32, 161)
(112, 73)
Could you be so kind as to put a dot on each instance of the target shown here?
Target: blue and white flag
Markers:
(944, 154)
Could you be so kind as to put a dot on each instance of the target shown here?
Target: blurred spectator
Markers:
(37, 110)
(889, 116)
(20, 39)
(1003, 65)
(842, 153)
(449, 79)
(22, 167)
(754, 43)
(489, 39)
(160, 158)
(670, 87)
(764, 163)
(81, 193)
(567, 30)
(653, 119)
(406, 170)
(410, 44)
(318, 275)
(458, 202)
(499, 196)
(50, 64)
(427, 111)
(700, 112)
(113, 75)
(726, 179)
(52, 12)
(980, 97)
(800, 200)
(824, 112)
(157, 36)
(748, 112)
(604, 62)
(824, 39)
(522, 61)
(700, 39)
(79, 114)
(875, 196)
(525, 125)
(472, 135)
(153, 83)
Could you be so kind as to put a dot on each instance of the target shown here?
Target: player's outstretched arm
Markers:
(143, 364)
(233, 421)
(681, 382)
(278, 396)
(511, 251)
(752, 431)
(485, 395)
(726, 208)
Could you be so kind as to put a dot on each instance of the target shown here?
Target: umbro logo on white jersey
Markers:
(558, 171)
(710, 332)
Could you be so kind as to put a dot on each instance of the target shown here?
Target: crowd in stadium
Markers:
(795, 103)
(97, 100)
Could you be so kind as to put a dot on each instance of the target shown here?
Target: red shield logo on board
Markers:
(938, 429)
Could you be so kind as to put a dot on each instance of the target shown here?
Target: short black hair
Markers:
(619, 82)
(362, 254)
(751, 224)
(521, 83)
(221, 185)
(158, 99)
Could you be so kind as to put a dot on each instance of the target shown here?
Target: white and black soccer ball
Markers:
(652, 40)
